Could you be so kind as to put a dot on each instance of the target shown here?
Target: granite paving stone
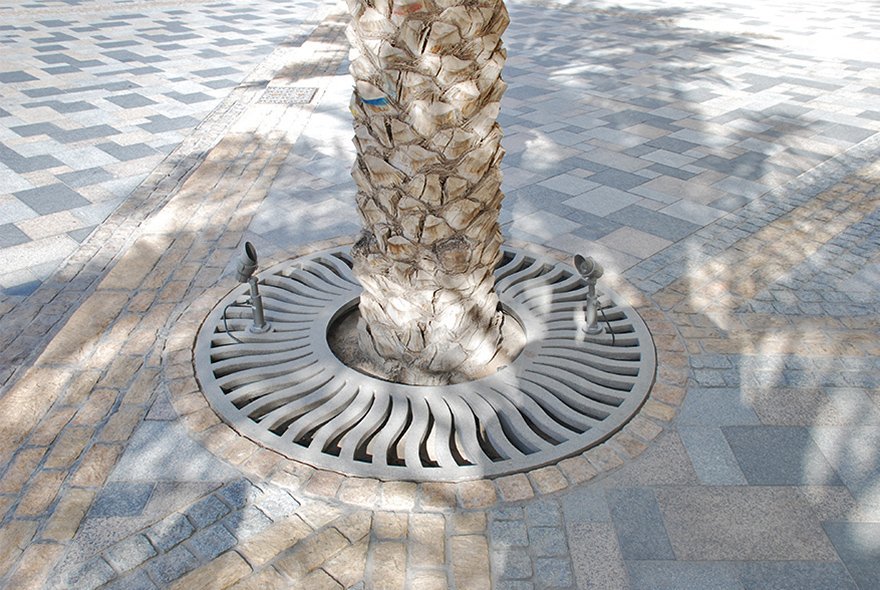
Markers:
(653, 222)
(640, 527)
(130, 553)
(683, 575)
(51, 198)
(602, 201)
(122, 499)
(711, 455)
(139, 580)
(172, 565)
(170, 531)
(207, 511)
(730, 524)
(208, 543)
(512, 564)
(553, 572)
(795, 575)
(856, 544)
(779, 456)
(247, 522)
(716, 406)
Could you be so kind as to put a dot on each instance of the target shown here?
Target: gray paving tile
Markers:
(815, 407)
(85, 133)
(672, 144)
(543, 513)
(87, 177)
(508, 533)
(10, 235)
(602, 201)
(779, 455)
(216, 72)
(569, 184)
(542, 225)
(654, 222)
(130, 553)
(846, 448)
(715, 407)
(639, 524)
(682, 575)
(665, 170)
(51, 198)
(523, 92)
(131, 100)
(596, 558)
(585, 505)
(731, 524)
(172, 565)
(207, 511)
(22, 289)
(208, 543)
(730, 203)
(712, 459)
(512, 564)
(856, 544)
(189, 98)
(63, 107)
(161, 123)
(618, 179)
(139, 580)
(237, 493)
(247, 522)
(696, 213)
(615, 160)
(847, 133)
(127, 152)
(635, 242)
(89, 575)
(547, 541)
(12, 77)
(553, 572)
(170, 531)
(795, 575)
(23, 164)
(121, 499)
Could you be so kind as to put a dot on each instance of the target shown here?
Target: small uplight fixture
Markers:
(244, 272)
(591, 271)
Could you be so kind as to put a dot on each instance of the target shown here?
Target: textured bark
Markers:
(425, 103)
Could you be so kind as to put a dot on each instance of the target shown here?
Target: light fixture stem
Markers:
(591, 311)
(260, 325)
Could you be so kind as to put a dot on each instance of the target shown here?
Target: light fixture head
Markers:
(588, 267)
(247, 263)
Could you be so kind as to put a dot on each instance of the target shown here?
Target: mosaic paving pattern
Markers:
(95, 95)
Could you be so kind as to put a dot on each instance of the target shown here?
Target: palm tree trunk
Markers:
(425, 103)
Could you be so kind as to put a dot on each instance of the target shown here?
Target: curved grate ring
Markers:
(565, 392)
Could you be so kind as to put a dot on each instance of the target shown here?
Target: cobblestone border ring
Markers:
(566, 392)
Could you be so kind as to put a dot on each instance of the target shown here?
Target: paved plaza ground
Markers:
(719, 158)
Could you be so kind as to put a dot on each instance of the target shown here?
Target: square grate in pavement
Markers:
(287, 95)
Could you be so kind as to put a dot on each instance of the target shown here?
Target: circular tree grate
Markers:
(566, 391)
